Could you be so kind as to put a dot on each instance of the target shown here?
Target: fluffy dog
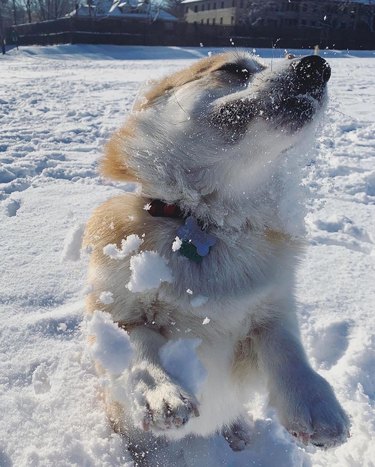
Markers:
(207, 145)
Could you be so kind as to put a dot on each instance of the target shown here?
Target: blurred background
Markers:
(333, 24)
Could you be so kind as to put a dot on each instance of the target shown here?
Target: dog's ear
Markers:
(115, 161)
(140, 101)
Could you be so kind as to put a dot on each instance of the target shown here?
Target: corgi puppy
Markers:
(203, 254)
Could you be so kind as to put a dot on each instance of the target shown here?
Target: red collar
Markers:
(158, 208)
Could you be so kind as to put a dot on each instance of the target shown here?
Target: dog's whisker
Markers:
(178, 103)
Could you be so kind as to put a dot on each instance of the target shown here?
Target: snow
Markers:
(58, 106)
(197, 301)
(148, 271)
(110, 345)
(106, 298)
(128, 245)
(176, 245)
(73, 242)
(180, 359)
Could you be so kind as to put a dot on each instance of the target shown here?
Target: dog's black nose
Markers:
(313, 70)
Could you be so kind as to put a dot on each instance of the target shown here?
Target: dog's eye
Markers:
(237, 70)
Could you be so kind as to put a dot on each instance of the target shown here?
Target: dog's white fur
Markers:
(185, 146)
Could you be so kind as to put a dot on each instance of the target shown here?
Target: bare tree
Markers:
(43, 10)
(5, 16)
(28, 6)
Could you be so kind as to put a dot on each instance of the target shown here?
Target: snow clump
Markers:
(176, 245)
(73, 243)
(106, 298)
(111, 346)
(148, 271)
(199, 300)
(179, 358)
(128, 245)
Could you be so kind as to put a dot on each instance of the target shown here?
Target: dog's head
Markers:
(221, 121)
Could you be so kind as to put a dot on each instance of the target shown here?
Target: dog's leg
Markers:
(305, 402)
(238, 435)
(156, 401)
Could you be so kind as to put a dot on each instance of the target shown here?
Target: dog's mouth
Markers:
(288, 101)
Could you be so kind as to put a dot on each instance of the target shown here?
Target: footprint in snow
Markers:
(331, 343)
(342, 231)
(11, 207)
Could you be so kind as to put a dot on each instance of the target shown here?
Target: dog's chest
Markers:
(238, 265)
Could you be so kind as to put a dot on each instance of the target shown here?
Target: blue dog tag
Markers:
(192, 233)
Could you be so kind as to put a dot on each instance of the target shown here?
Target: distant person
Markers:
(14, 37)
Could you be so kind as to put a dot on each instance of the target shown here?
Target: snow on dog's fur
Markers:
(211, 140)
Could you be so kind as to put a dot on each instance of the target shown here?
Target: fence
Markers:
(141, 32)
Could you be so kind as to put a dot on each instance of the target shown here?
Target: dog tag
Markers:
(196, 243)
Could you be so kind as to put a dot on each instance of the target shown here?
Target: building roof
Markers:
(192, 1)
(124, 9)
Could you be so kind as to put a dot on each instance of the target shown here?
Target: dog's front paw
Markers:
(238, 435)
(159, 404)
(311, 413)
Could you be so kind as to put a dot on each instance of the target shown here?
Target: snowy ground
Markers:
(58, 106)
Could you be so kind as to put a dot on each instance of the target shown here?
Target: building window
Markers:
(209, 6)
(214, 5)
(196, 9)
(201, 21)
(232, 20)
(222, 5)
(202, 8)
(208, 21)
(214, 21)
(233, 3)
(221, 20)
(187, 9)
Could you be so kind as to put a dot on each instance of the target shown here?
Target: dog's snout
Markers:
(313, 70)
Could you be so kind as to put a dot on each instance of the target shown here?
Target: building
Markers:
(214, 12)
(324, 14)
(283, 14)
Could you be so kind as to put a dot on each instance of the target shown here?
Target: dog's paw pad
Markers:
(238, 436)
(324, 424)
(302, 437)
(314, 416)
(168, 408)
(322, 440)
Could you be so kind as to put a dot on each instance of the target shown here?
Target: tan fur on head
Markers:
(180, 78)
(113, 164)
